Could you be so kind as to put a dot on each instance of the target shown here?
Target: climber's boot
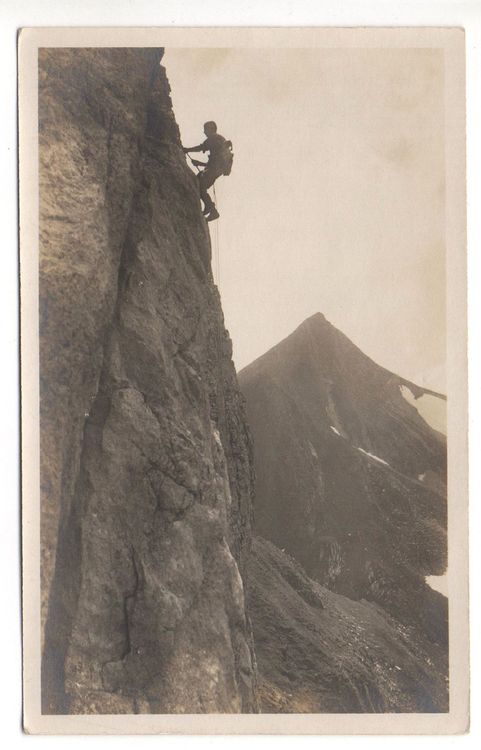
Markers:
(214, 214)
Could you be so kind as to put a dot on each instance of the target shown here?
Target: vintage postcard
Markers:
(244, 396)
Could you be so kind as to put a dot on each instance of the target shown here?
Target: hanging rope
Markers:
(218, 324)
(217, 253)
(216, 233)
(218, 335)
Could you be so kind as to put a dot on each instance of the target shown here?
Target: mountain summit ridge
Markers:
(315, 325)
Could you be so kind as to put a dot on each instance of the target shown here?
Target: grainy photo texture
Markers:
(242, 327)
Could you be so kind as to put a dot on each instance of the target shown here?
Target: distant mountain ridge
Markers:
(351, 485)
(319, 319)
(351, 481)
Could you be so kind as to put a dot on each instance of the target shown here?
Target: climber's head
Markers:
(210, 128)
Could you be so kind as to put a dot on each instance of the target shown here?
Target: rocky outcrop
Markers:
(145, 456)
(351, 483)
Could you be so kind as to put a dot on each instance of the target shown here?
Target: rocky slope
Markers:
(145, 457)
(351, 481)
(320, 652)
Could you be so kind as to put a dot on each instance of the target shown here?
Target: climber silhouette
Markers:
(219, 163)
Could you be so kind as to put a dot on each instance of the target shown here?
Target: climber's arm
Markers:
(194, 148)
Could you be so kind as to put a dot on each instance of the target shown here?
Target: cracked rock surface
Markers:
(146, 467)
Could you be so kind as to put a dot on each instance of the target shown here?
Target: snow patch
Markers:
(312, 449)
(376, 458)
(421, 477)
(334, 430)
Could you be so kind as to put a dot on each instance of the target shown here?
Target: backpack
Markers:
(227, 157)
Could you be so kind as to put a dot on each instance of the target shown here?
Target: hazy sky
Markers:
(336, 198)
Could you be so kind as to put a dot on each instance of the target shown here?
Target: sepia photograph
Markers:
(244, 393)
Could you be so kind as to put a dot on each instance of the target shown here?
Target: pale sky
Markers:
(335, 203)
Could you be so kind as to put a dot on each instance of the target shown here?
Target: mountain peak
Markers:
(318, 343)
(348, 472)
(314, 323)
(316, 318)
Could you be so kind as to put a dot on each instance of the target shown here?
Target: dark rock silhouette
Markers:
(145, 456)
(351, 481)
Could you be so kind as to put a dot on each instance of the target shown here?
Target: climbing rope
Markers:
(216, 244)
(217, 335)
(216, 235)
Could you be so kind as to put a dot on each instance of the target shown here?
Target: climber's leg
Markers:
(205, 182)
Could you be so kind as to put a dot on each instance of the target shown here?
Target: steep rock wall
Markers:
(146, 467)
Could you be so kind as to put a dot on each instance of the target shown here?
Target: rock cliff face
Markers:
(145, 456)
(351, 483)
